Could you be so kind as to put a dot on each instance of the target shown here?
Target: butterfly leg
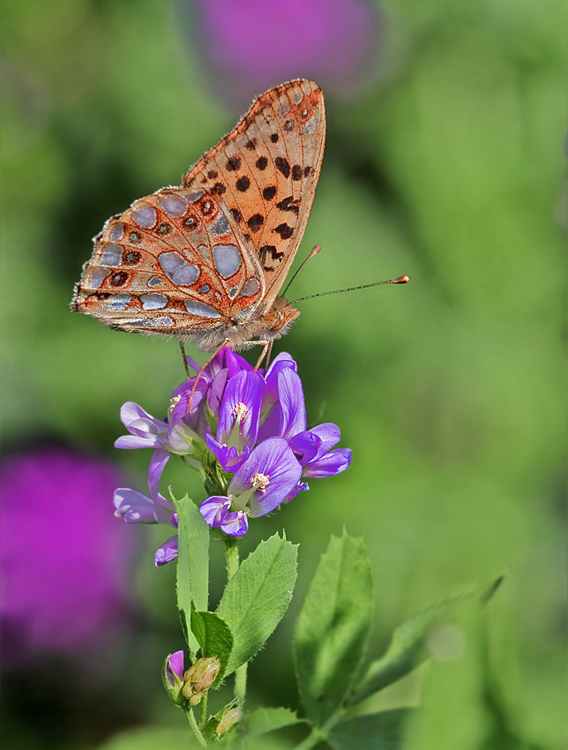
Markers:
(182, 347)
(201, 369)
(266, 352)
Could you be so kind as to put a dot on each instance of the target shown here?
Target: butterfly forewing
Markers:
(267, 170)
(207, 260)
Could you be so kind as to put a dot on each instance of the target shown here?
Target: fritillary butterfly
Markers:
(205, 262)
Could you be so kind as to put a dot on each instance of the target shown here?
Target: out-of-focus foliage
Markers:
(450, 391)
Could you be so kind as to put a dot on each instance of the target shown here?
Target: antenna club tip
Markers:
(401, 280)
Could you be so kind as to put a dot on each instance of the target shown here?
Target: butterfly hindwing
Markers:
(156, 266)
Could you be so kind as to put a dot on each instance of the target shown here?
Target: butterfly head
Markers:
(265, 325)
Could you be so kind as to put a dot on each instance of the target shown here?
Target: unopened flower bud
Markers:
(229, 718)
(199, 678)
(172, 677)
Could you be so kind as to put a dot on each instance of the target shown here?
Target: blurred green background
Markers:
(446, 165)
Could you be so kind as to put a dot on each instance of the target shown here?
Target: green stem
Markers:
(231, 556)
(232, 560)
(204, 715)
(312, 739)
(196, 731)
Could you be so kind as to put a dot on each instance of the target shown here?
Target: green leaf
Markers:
(382, 731)
(265, 720)
(257, 597)
(407, 648)
(192, 564)
(214, 638)
(333, 627)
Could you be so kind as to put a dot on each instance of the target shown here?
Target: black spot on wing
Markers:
(242, 184)
(233, 164)
(297, 172)
(289, 204)
(284, 231)
(255, 222)
(283, 166)
(266, 251)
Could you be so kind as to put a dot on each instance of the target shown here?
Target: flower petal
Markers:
(291, 399)
(175, 666)
(332, 463)
(243, 390)
(329, 435)
(229, 458)
(235, 524)
(133, 506)
(167, 552)
(138, 422)
(158, 462)
(214, 509)
(300, 487)
(305, 446)
(134, 441)
(273, 459)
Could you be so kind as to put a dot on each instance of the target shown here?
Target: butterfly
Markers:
(205, 262)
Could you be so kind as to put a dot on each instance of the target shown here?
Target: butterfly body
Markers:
(205, 261)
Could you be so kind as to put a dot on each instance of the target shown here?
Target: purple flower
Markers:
(64, 560)
(245, 432)
(262, 483)
(167, 552)
(135, 507)
(251, 45)
(313, 450)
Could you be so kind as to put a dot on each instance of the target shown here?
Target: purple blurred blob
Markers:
(252, 45)
(63, 556)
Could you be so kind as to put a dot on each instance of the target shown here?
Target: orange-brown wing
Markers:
(172, 264)
(266, 171)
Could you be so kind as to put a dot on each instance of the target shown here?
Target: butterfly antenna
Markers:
(313, 254)
(398, 280)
